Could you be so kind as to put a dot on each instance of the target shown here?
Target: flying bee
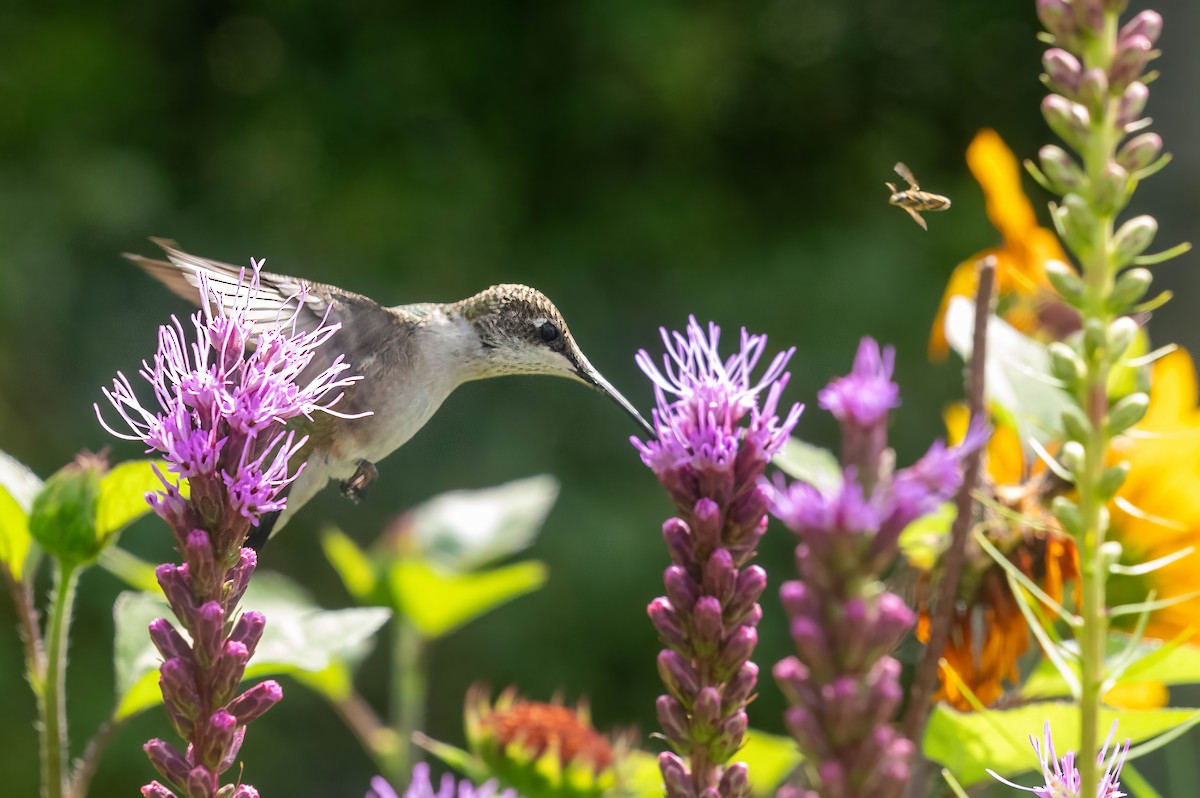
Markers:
(913, 199)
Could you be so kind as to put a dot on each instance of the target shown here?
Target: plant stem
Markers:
(53, 705)
(408, 694)
(1098, 271)
(27, 626)
(85, 768)
(380, 742)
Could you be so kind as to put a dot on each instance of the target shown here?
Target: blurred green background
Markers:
(637, 161)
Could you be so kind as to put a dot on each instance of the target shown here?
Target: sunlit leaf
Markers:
(808, 463)
(967, 743)
(123, 495)
(643, 779)
(467, 529)
(14, 534)
(1164, 663)
(771, 759)
(350, 562)
(1017, 374)
(130, 569)
(923, 541)
(299, 637)
(20, 483)
(438, 601)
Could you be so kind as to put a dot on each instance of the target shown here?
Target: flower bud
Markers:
(63, 516)
(1056, 16)
(1089, 15)
(1065, 365)
(237, 579)
(751, 583)
(1130, 62)
(1132, 103)
(1073, 457)
(1111, 191)
(1121, 332)
(679, 543)
(1093, 90)
(1065, 281)
(707, 627)
(738, 689)
(217, 738)
(1063, 71)
(177, 587)
(1132, 238)
(678, 676)
(232, 750)
(706, 526)
(676, 779)
(730, 734)
(1069, 121)
(735, 783)
(248, 630)
(1126, 412)
(1075, 424)
(1095, 337)
(1067, 513)
(1078, 221)
(156, 790)
(201, 783)
(169, 763)
(673, 720)
(1111, 480)
(736, 650)
(1140, 152)
(168, 641)
(1145, 23)
(706, 712)
(251, 705)
(720, 575)
(227, 672)
(241, 791)
(208, 632)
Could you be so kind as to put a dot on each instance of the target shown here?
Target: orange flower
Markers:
(1021, 283)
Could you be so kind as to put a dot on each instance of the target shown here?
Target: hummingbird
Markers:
(410, 358)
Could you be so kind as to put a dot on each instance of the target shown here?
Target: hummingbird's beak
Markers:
(588, 374)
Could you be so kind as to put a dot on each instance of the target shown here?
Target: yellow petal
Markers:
(999, 173)
(1137, 695)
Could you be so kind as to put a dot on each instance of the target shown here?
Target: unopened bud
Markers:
(1063, 70)
(1132, 239)
(1127, 412)
(1065, 365)
(1067, 513)
(1078, 222)
(1065, 281)
(1089, 14)
(1130, 62)
(1111, 480)
(1075, 424)
(1111, 191)
(1130, 287)
(1132, 103)
(1093, 90)
(1061, 169)
(1069, 121)
(1140, 151)
(1056, 16)
(1144, 23)
(1073, 457)
(1095, 337)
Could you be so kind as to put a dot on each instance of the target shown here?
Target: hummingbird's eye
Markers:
(548, 331)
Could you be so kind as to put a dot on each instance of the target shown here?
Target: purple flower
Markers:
(842, 683)
(717, 429)
(222, 402)
(1061, 778)
(421, 786)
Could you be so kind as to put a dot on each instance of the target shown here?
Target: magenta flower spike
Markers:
(717, 428)
(842, 684)
(1060, 777)
(222, 401)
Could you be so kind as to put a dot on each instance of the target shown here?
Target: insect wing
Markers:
(907, 174)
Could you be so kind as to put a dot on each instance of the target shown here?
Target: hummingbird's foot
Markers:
(353, 488)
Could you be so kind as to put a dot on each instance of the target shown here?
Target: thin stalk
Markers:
(1092, 396)
(380, 742)
(27, 626)
(53, 705)
(85, 767)
(408, 694)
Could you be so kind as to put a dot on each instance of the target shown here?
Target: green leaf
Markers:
(123, 495)
(299, 637)
(1165, 663)
(438, 601)
(130, 569)
(14, 534)
(924, 540)
(20, 483)
(467, 529)
(642, 777)
(771, 759)
(350, 562)
(1017, 373)
(808, 463)
(967, 743)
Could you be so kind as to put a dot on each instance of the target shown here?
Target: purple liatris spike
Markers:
(717, 428)
(842, 685)
(222, 404)
(1060, 777)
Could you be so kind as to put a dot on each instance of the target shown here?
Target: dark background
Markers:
(637, 161)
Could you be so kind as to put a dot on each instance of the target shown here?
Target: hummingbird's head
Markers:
(522, 332)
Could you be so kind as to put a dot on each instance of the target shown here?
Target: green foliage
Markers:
(438, 601)
(18, 487)
(1152, 661)
(808, 463)
(300, 638)
(123, 495)
(923, 540)
(63, 517)
(968, 743)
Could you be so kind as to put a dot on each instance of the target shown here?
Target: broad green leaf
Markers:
(923, 541)
(643, 779)
(14, 534)
(129, 568)
(467, 529)
(20, 483)
(123, 495)
(967, 743)
(1164, 663)
(808, 463)
(299, 637)
(1017, 373)
(771, 759)
(438, 601)
(350, 562)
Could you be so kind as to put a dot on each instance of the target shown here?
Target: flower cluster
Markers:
(421, 786)
(219, 425)
(1061, 778)
(842, 684)
(716, 433)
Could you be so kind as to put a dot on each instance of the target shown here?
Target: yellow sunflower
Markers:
(1021, 284)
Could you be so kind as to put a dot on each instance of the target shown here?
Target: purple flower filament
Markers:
(222, 402)
(842, 685)
(717, 429)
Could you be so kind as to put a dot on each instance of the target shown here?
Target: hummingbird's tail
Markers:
(260, 534)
